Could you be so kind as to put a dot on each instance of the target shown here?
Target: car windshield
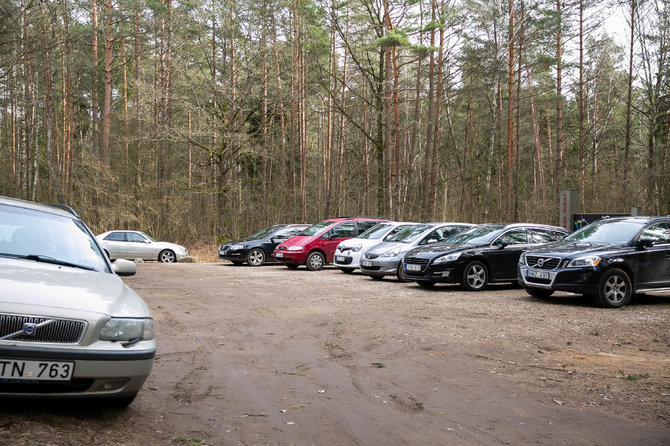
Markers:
(316, 228)
(46, 237)
(148, 236)
(265, 232)
(479, 235)
(375, 232)
(409, 233)
(604, 231)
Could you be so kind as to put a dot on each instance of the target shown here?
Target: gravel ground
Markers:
(272, 356)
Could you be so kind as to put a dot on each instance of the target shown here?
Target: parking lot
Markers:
(275, 356)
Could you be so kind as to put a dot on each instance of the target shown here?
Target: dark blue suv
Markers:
(608, 260)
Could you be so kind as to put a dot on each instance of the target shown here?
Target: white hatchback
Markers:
(348, 253)
(69, 326)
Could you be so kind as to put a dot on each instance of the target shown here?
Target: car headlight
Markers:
(294, 248)
(584, 261)
(236, 247)
(446, 259)
(123, 329)
(356, 248)
(391, 253)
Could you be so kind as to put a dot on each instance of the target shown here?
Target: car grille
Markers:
(540, 262)
(24, 328)
(416, 261)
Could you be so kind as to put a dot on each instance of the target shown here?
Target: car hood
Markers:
(31, 287)
(567, 249)
(383, 247)
(358, 241)
(298, 240)
(432, 251)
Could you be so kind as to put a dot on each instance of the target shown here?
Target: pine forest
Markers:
(210, 119)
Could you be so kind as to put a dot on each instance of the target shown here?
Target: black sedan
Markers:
(257, 248)
(484, 254)
(608, 260)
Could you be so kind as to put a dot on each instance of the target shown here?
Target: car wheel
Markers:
(167, 256)
(399, 275)
(540, 293)
(315, 261)
(256, 257)
(614, 289)
(347, 270)
(475, 276)
(292, 265)
(426, 284)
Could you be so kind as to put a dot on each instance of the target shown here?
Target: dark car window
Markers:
(515, 237)
(441, 234)
(116, 237)
(374, 232)
(285, 233)
(478, 235)
(136, 238)
(263, 232)
(365, 225)
(542, 236)
(347, 229)
(659, 234)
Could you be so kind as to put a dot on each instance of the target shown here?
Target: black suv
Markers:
(608, 260)
(474, 258)
(257, 248)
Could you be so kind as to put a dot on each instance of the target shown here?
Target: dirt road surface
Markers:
(271, 356)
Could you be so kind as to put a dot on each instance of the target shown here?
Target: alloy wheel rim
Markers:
(615, 289)
(476, 277)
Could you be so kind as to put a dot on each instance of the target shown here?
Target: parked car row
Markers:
(609, 260)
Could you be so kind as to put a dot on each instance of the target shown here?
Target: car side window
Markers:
(434, 236)
(659, 234)
(515, 237)
(116, 237)
(136, 238)
(343, 230)
(285, 234)
(365, 225)
(540, 236)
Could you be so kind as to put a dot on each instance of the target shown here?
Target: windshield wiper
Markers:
(47, 259)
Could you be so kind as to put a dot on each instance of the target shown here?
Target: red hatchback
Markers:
(315, 246)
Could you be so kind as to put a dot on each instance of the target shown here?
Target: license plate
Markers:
(366, 263)
(36, 370)
(537, 274)
(279, 254)
(411, 267)
(339, 259)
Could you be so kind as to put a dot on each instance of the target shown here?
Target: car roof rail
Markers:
(65, 207)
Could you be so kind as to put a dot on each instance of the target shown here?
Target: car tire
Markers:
(256, 257)
(347, 270)
(167, 256)
(540, 293)
(315, 261)
(475, 276)
(399, 275)
(426, 284)
(614, 289)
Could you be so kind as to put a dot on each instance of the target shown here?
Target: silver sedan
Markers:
(69, 326)
(139, 245)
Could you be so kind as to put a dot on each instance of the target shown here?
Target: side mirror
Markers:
(501, 243)
(123, 267)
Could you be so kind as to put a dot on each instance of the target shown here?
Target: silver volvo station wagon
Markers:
(69, 326)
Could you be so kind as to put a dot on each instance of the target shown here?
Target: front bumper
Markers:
(97, 373)
(380, 266)
(435, 274)
(347, 260)
(285, 256)
(573, 280)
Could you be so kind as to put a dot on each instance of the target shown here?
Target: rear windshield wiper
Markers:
(47, 259)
